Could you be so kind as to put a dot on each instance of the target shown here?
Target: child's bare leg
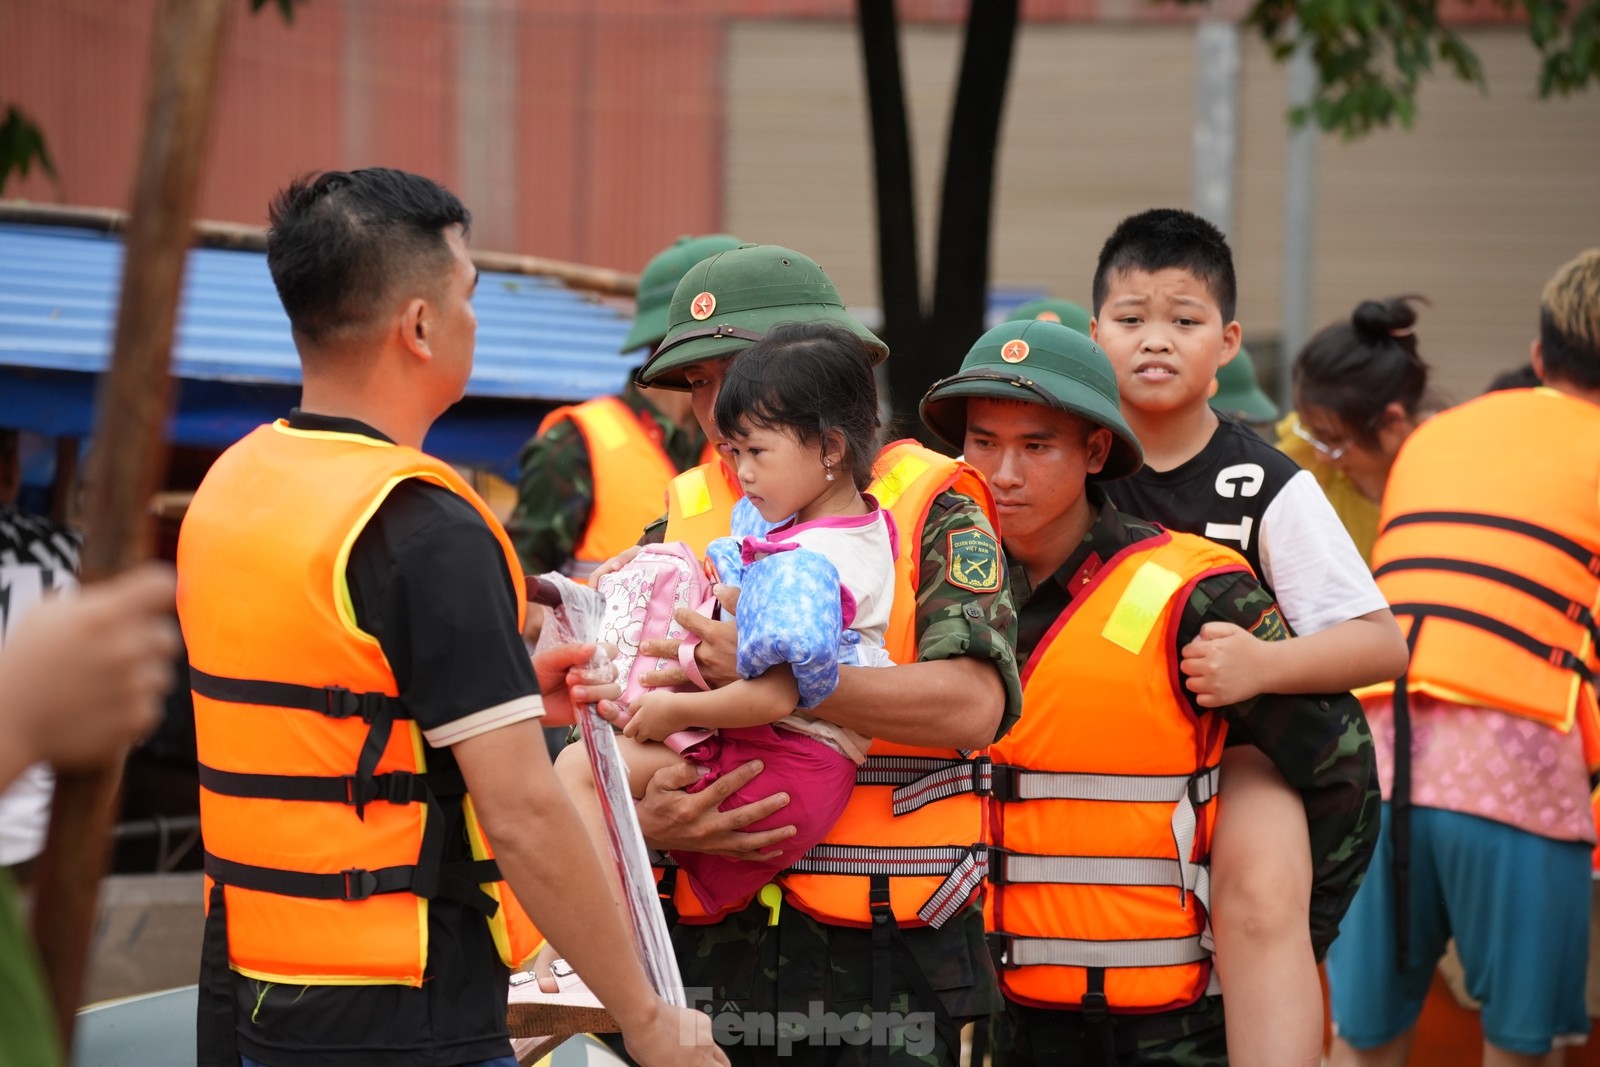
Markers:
(577, 778)
(1392, 1053)
(1261, 895)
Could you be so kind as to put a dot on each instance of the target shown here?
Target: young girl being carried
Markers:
(798, 412)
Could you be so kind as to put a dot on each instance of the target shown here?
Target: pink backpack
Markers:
(641, 599)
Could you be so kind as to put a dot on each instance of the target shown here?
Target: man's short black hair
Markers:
(1166, 238)
(342, 243)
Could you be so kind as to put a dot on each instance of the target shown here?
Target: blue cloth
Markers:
(1518, 907)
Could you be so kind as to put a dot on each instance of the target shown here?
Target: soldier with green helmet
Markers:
(891, 983)
(1053, 309)
(564, 520)
(1099, 927)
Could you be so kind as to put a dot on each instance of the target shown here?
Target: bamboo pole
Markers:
(130, 451)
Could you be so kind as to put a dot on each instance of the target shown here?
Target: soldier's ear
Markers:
(1097, 450)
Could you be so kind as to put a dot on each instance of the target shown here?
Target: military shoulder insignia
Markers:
(1270, 626)
(973, 560)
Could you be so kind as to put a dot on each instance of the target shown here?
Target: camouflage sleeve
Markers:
(1319, 742)
(964, 603)
(555, 493)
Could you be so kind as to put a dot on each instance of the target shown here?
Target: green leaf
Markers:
(21, 146)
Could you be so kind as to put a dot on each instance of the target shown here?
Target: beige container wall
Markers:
(1474, 207)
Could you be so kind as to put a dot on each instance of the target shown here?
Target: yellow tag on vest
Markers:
(1141, 605)
(892, 486)
(692, 492)
(608, 430)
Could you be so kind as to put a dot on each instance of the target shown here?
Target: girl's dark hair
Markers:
(811, 379)
(1359, 367)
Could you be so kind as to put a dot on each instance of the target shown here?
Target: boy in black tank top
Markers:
(1164, 294)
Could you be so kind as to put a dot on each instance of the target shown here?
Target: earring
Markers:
(829, 469)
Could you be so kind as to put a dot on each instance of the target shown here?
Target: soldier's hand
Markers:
(1223, 665)
(617, 562)
(716, 655)
(672, 818)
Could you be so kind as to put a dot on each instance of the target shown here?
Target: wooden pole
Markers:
(129, 443)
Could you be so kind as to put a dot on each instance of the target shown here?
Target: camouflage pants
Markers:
(1187, 1037)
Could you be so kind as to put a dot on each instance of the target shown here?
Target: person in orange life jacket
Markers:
(799, 417)
(1488, 548)
(916, 951)
(80, 680)
(596, 472)
(1103, 810)
(1164, 296)
(364, 704)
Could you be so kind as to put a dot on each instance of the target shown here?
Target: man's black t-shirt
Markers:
(428, 579)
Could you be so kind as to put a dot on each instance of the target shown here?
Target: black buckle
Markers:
(1095, 1008)
(995, 857)
(983, 776)
(359, 884)
(339, 702)
(999, 944)
(1193, 788)
(878, 902)
(400, 787)
(1003, 783)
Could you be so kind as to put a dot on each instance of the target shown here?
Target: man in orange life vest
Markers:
(1104, 792)
(366, 713)
(1488, 551)
(597, 472)
(872, 950)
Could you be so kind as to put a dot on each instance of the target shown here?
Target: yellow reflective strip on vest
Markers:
(606, 425)
(1140, 608)
(892, 486)
(692, 492)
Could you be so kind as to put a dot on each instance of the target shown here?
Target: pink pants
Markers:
(818, 779)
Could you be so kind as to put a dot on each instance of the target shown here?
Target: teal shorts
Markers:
(1518, 907)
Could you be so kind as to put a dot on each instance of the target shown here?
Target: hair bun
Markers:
(1376, 321)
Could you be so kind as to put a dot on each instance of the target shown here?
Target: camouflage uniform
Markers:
(733, 966)
(1321, 745)
(555, 489)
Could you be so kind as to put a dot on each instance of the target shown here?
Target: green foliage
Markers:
(21, 146)
(1371, 54)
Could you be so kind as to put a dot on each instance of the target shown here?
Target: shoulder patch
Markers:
(973, 560)
(1270, 626)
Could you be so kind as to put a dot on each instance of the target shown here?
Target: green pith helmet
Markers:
(728, 302)
(661, 276)
(1239, 394)
(1038, 362)
(1049, 309)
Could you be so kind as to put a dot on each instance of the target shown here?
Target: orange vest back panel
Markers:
(276, 517)
(1499, 592)
(1102, 817)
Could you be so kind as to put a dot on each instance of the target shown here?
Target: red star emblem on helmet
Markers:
(702, 306)
(1048, 316)
(1014, 351)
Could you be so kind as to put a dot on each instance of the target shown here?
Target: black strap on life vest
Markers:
(1574, 610)
(1097, 1013)
(428, 878)
(1588, 558)
(888, 946)
(1400, 807)
(216, 1032)
(1558, 657)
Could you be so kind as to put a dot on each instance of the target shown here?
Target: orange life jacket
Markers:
(1102, 818)
(910, 838)
(700, 504)
(1498, 596)
(631, 472)
(320, 815)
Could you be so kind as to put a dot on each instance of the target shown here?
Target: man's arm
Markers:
(555, 497)
(1319, 742)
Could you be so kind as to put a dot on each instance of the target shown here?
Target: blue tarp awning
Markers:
(539, 344)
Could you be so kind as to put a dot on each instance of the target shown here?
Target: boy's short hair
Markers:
(1569, 323)
(342, 243)
(1166, 238)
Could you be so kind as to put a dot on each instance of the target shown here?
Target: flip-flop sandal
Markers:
(572, 1009)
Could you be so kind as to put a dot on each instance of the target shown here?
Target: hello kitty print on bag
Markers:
(641, 601)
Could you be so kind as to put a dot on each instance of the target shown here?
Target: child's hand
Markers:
(1224, 665)
(656, 714)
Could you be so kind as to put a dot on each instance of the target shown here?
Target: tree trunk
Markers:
(961, 281)
(899, 273)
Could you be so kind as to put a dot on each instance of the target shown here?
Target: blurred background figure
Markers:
(1050, 309)
(1360, 388)
(597, 472)
(1239, 395)
(1523, 377)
